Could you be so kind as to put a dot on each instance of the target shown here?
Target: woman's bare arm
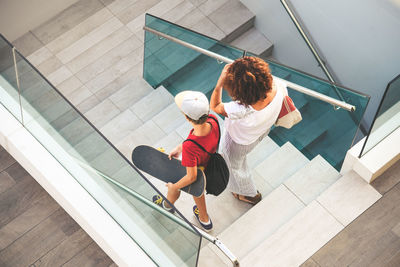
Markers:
(216, 98)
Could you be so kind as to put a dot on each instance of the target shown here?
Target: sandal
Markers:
(252, 200)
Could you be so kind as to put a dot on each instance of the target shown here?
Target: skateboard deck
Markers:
(158, 165)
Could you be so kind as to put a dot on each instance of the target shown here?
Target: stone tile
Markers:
(232, 17)
(131, 93)
(39, 56)
(198, 2)
(108, 59)
(131, 12)
(121, 81)
(118, 69)
(184, 129)
(281, 164)
(136, 25)
(254, 41)
(88, 104)
(310, 181)
(79, 95)
(261, 221)
(59, 76)
(102, 113)
(152, 104)
(179, 11)
(207, 27)
(169, 142)
(121, 126)
(99, 49)
(262, 151)
(66, 20)
(89, 40)
(210, 6)
(191, 18)
(48, 66)
(148, 134)
(348, 197)
(118, 6)
(69, 85)
(106, 3)
(297, 240)
(170, 118)
(262, 186)
(208, 257)
(79, 31)
(27, 44)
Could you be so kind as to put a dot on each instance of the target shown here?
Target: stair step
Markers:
(348, 197)
(260, 222)
(265, 148)
(311, 180)
(281, 164)
(152, 104)
(255, 42)
(297, 240)
(170, 117)
(233, 18)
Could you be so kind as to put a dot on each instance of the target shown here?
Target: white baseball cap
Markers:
(192, 103)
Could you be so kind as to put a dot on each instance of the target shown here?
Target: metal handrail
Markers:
(299, 88)
(179, 221)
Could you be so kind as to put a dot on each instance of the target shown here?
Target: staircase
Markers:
(296, 216)
(305, 202)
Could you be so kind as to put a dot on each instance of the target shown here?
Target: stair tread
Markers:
(265, 148)
(255, 42)
(297, 240)
(281, 164)
(151, 104)
(261, 221)
(348, 197)
(233, 18)
(308, 182)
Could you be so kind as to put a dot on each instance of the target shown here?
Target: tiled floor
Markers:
(34, 229)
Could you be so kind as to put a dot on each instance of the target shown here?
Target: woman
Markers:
(257, 101)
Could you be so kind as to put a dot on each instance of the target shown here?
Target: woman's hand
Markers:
(223, 74)
(176, 152)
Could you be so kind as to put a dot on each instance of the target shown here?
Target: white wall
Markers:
(360, 40)
(19, 16)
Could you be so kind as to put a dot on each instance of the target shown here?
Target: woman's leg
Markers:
(201, 205)
(240, 179)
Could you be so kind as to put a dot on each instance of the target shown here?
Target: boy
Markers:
(195, 107)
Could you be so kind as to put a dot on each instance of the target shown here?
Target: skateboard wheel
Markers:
(161, 149)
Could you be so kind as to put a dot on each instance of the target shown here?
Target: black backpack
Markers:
(217, 172)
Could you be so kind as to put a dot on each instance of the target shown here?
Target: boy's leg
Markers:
(172, 196)
(201, 205)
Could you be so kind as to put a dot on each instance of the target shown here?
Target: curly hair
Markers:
(248, 80)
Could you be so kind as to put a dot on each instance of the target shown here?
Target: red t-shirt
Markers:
(192, 154)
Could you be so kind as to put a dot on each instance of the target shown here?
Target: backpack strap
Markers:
(198, 146)
(219, 138)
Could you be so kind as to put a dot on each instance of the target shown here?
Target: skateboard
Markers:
(157, 164)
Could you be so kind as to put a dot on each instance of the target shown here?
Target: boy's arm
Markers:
(176, 152)
(189, 178)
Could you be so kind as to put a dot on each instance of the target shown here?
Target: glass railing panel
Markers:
(324, 130)
(169, 64)
(89, 157)
(9, 96)
(387, 118)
